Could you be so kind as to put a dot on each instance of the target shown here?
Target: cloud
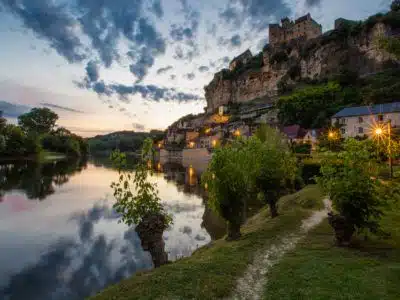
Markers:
(186, 54)
(71, 28)
(62, 108)
(312, 3)
(256, 13)
(157, 9)
(236, 41)
(138, 126)
(164, 70)
(149, 92)
(203, 69)
(11, 110)
(52, 22)
(142, 65)
(189, 76)
(92, 71)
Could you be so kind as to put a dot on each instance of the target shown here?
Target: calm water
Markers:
(60, 238)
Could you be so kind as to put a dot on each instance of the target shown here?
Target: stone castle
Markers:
(304, 26)
(306, 55)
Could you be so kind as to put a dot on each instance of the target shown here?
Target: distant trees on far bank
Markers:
(36, 132)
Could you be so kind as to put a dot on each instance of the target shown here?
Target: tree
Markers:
(38, 120)
(3, 121)
(275, 166)
(228, 180)
(390, 44)
(138, 203)
(350, 179)
(395, 6)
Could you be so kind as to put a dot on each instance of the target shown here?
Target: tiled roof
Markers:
(294, 131)
(368, 110)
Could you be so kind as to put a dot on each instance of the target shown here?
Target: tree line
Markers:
(37, 131)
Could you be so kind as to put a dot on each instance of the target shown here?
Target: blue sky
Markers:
(135, 64)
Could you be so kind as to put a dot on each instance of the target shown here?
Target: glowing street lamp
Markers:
(214, 143)
(378, 131)
(237, 132)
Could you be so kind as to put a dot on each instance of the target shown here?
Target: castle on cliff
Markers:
(304, 26)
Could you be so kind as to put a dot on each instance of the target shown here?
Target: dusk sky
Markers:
(107, 65)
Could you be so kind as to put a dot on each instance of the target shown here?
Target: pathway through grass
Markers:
(250, 286)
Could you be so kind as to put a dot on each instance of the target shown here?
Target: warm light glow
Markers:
(378, 131)
(149, 164)
(237, 132)
(214, 143)
(191, 144)
(208, 130)
(159, 166)
(206, 186)
(191, 171)
(159, 145)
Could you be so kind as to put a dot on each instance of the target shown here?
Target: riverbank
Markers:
(43, 156)
(213, 271)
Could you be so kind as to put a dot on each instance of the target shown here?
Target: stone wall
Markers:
(315, 59)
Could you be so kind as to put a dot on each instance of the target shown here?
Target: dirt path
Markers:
(250, 286)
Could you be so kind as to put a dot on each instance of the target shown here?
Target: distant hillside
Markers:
(125, 141)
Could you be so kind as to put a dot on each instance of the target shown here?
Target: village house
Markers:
(363, 120)
(294, 133)
(241, 59)
(304, 26)
(311, 137)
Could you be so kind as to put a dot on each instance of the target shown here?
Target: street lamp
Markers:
(379, 132)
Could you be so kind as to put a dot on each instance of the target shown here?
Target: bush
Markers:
(310, 170)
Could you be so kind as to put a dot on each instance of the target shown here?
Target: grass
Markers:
(317, 269)
(212, 272)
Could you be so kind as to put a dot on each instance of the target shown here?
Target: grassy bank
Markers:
(370, 269)
(211, 272)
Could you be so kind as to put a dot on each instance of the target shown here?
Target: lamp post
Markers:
(379, 131)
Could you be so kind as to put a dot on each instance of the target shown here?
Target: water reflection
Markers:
(35, 179)
(77, 268)
(71, 245)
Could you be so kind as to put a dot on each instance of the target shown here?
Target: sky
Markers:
(108, 65)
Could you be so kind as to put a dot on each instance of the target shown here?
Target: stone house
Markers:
(242, 58)
(363, 120)
(304, 26)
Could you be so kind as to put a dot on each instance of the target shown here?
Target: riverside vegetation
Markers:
(368, 204)
(36, 135)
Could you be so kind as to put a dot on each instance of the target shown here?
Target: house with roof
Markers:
(241, 59)
(361, 120)
(294, 133)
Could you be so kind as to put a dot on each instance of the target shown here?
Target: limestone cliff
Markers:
(301, 60)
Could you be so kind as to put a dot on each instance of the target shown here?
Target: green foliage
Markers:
(390, 44)
(228, 180)
(349, 178)
(274, 166)
(302, 148)
(38, 120)
(310, 107)
(310, 169)
(137, 198)
(125, 141)
(35, 132)
(279, 57)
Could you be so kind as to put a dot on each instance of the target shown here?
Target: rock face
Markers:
(300, 60)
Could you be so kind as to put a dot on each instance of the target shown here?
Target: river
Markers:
(60, 238)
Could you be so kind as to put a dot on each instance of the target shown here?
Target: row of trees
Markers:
(37, 130)
(261, 167)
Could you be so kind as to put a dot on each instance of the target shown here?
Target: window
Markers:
(360, 119)
(360, 130)
(343, 130)
(380, 118)
(343, 121)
